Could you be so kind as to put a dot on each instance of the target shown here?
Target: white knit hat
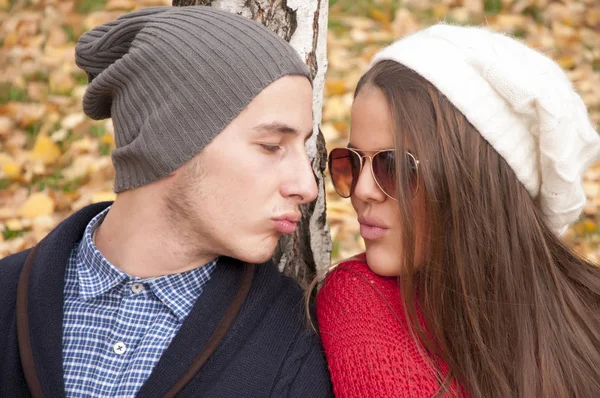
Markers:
(520, 101)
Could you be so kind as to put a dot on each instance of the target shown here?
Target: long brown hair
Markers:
(507, 305)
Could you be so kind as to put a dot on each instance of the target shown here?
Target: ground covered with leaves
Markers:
(54, 160)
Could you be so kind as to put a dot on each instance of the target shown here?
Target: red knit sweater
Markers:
(365, 335)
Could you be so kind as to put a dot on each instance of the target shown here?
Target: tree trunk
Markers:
(303, 23)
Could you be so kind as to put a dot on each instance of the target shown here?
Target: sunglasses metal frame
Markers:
(361, 157)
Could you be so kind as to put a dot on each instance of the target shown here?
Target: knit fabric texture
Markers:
(368, 346)
(172, 78)
(519, 100)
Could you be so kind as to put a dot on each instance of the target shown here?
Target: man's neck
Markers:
(137, 240)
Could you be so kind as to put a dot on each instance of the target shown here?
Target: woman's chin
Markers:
(382, 262)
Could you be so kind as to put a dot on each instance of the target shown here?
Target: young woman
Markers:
(464, 166)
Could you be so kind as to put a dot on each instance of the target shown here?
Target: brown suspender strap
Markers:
(23, 337)
(219, 333)
(211, 346)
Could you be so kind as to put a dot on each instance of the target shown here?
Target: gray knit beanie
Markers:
(172, 78)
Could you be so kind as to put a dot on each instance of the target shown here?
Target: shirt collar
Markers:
(97, 276)
(180, 291)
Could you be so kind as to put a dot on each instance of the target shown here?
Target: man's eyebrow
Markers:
(278, 127)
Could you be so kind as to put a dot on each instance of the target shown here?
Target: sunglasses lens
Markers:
(384, 169)
(344, 168)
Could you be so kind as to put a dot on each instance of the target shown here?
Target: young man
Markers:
(155, 294)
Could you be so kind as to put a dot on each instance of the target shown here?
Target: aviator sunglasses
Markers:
(346, 164)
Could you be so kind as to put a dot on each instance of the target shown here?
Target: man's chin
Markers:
(251, 248)
(255, 254)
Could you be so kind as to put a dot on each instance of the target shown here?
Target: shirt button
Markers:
(137, 287)
(119, 348)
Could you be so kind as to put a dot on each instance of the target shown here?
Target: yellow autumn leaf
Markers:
(589, 225)
(14, 224)
(10, 39)
(107, 139)
(440, 11)
(341, 126)
(38, 204)
(11, 170)
(379, 15)
(103, 196)
(45, 150)
(335, 86)
(566, 62)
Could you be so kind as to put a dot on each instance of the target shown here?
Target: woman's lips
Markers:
(370, 228)
(371, 232)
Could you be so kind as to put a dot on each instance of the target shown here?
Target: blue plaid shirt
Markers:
(115, 326)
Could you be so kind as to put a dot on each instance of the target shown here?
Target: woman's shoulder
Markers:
(353, 289)
(355, 273)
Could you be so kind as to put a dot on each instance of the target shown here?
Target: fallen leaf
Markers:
(335, 86)
(566, 62)
(11, 170)
(10, 39)
(379, 15)
(84, 145)
(14, 224)
(107, 139)
(59, 135)
(37, 204)
(72, 120)
(45, 150)
(80, 167)
(440, 11)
